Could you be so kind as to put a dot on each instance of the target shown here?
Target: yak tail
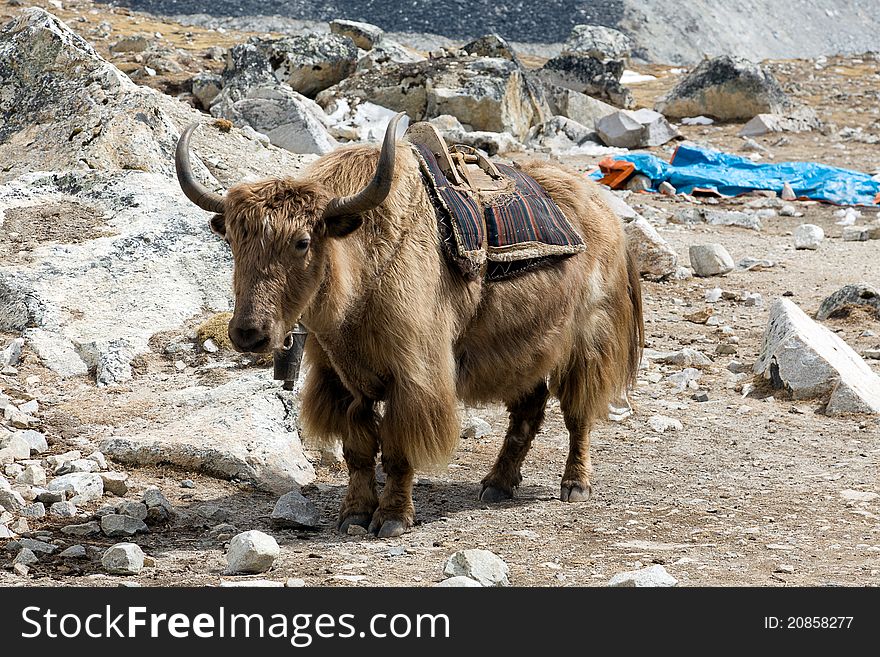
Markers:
(637, 338)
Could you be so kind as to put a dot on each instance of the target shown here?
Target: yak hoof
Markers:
(572, 491)
(491, 494)
(362, 519)
(387, 528)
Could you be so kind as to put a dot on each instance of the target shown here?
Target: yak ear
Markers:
(344, 225)
(218, 225)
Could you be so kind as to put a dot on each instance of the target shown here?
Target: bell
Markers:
(288, 359)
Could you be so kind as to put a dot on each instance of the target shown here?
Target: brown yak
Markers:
(352, 250)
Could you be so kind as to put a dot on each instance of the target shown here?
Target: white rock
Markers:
(17, 447)
(251, 552)
(710, 259)
(787, 193)
(36, 440)
(11, 355)
(808, 236)
(251, 583)
(123, 559)
(654, 255)
(481, 565)
(80, 487)
(811, 361)
(687, 357)
(475, 427)
(732, 218)
(621, 130)
(713, 295)
(654, 576)
(63, 509)
(32, 475)
(115, 482)
(858, 495)
(459, 581)
(661, 424)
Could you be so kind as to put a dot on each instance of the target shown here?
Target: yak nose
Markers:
(249, 338)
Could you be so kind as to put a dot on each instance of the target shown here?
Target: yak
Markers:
(396, 336)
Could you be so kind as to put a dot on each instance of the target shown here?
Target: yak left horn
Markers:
(194, 190)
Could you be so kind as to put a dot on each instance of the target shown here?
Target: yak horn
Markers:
(378, 188)
(194, 190)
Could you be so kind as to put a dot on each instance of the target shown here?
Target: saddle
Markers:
(496, 222)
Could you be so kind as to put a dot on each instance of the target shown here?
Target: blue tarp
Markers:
(732, 175)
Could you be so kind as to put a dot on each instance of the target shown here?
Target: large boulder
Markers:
(810, 361)
(388, 51)
(489, 94)
(725, 88)
(364, 35)
(603, 43)
(576, 106)
(588, 75)
(635, 129)
(560, 134)
(310, 63)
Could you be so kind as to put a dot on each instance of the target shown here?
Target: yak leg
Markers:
(526, 415)
(330, 410)
(579, 404)
(396, 511)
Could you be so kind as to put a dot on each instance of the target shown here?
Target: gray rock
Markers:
(492, 143)
(63, 509)
(364, 35)
(657, 130)
(603, 43)
(856, 233)
(579, 107)
(25, 557)
(33, 510)
(81, 487)
(205, 87)
(159, 509)
(460, 581)
(653, 254)
(310, 63)
(11, 500)
(116, 525)
(73, 552)
(859, 294)
(798, 120)
(11, 355)
(115, 483)
(732, 218)
(387, 51)
(77, 465)
(475, 427)
(132, 43)
(85, 529)
(133, 509)
(588, 75)
(481, 565)
(559, 135)
(725, 88)
(812, 362)
(687, 357)
(123, 559)
(808, 236)
(490, 45)
(251, 552)
(650, 576)
(37, 546)
(293, 510)
(710, 259)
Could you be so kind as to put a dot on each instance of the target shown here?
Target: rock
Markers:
(115, 483)
(459, 581)
(787, 193)
(36, 440)
(63, 509)
(561, 135)
(15, 445)
(25, 557)
(800, 120)
(651, 576)
(480, 565)
(475, 427)
(621, 130)
(74, 552)
(159, 509)
(205, 87)
(856, 233)
(808, 236)
(295, 583)
(662, 424)
(32, 475)
(251, 552)
(812, 362)
(859, 294)
(310, 63)
(576, 106)
(37, 546)
(85, 529)
(252, 583)
(725, 88)
(81, 487)
(293, 510)
(490, 45)
(685, 379)
(115, 525)
(34, 510)
(11, 355)
(666, 189)
(77, 465)
(239, 430)
(133, 509)
(364, 35)
(858, 495)
(133, 43)
(687, 357)
(387, 51)
(653, 254)
(123, 559)
(356, 530)
(11, 500)
(588, 75)
(603, 43)
(732, 218)
(710, 259)
(492, 143)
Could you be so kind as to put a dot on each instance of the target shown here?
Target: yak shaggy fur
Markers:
(389, 321)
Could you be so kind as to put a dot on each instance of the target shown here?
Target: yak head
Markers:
(280, 231)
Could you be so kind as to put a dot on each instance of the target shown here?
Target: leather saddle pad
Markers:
(501, 232)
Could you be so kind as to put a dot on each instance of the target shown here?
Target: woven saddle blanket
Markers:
(502, 233)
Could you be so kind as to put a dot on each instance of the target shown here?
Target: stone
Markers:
(661, 424)
(293, 510)
(36, 440)
(387, 51)
(63, 509)
(459, 581)
(116, 525)
(603, 43)
(812, 362)
(492, 143)
(725, 88)
(16, 446)
(687, 357)
(73, 552)
(25, 557)
(657, 130)
(81, 487)
(808, 236)
(364, 35)
(858, 294)
(11, 355)
(37, 546)
(620, 130)
(132, 43)
(732, 218)
(561, 135)
(310, 63)
(482, 566)
(252, 583)
(856, 233)
(579, 107)
(159, 509)
(11, 500)
(710, 259)
(20, 569)
(858, 495)
(133, 509)
(653, 254)
(588, 75)
(90, 528)
(239, 430)
(475, 427)
(650, 576)
(76, 465)
(34, 510)
(115, 483)
(205, 88)
(251, 552)
(799, 120)
(123, 559)
(294, 583)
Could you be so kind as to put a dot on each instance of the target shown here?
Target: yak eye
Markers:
(302, 245)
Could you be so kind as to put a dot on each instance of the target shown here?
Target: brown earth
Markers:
(750, 483)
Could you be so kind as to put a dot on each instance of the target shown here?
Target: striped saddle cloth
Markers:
(500, 233)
